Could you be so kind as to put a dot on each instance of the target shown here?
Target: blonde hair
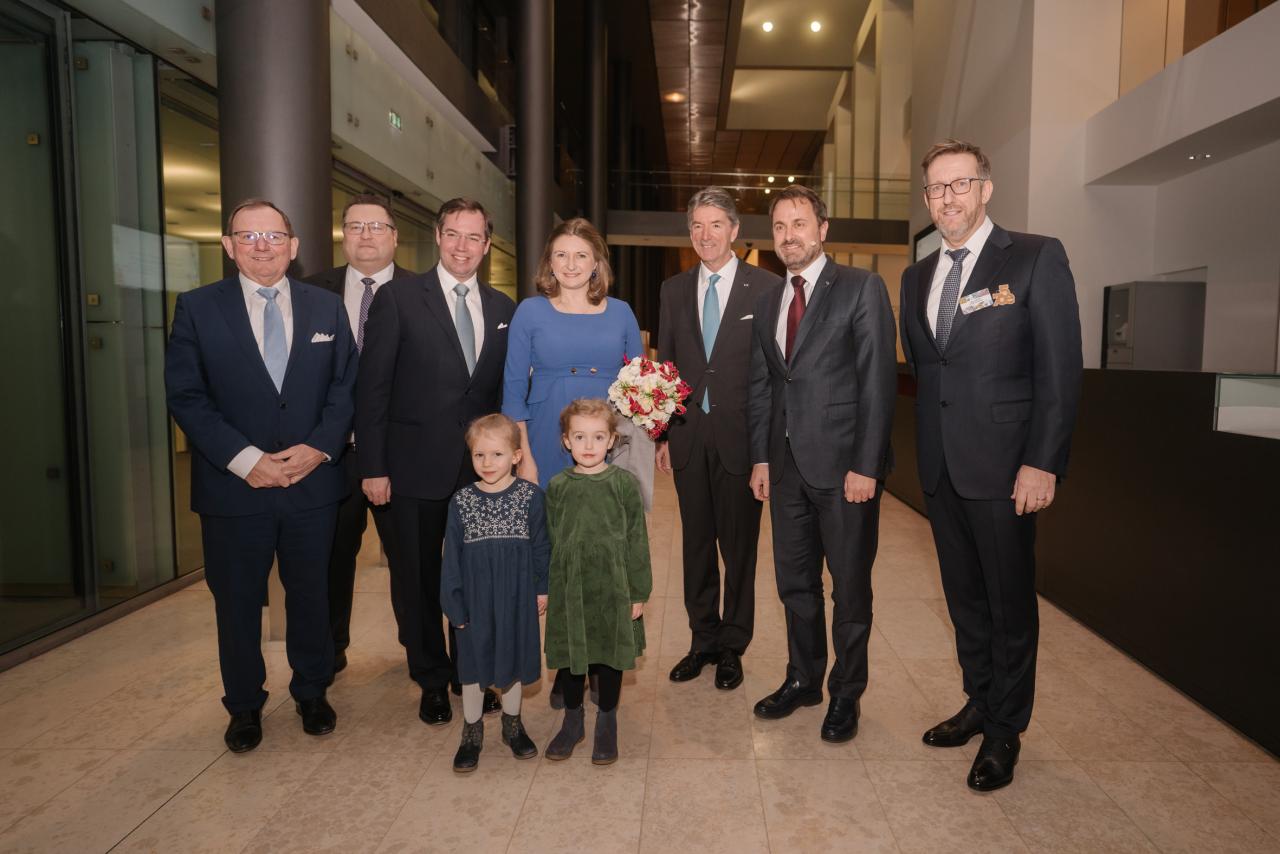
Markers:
(600, 279)
(495, 424)
(589, 407)
(956, 146)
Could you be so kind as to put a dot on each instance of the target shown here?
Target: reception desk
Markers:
(1164, 538)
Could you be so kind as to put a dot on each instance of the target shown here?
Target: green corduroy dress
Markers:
(599, 567)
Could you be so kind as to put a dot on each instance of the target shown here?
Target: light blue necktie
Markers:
(710, 326)
(949, 302)
(466, 332)
(275, 351)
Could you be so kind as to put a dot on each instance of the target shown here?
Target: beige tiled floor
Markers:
(114, 741)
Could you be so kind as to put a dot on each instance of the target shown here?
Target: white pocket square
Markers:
(321, 338)
(746, 317)
(502, 326)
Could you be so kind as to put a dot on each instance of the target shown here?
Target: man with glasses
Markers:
(991, 329)
(434, 350)
(260, 375)
(369, 241)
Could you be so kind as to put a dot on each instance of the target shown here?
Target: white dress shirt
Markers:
(810, 275)
(242, 463)
(447, 282)
(353, 292)
(974, 244)
(723, 284)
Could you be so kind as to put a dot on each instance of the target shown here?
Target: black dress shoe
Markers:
(492, 702)
(956, 730)
(728, 671)
(318, 717)
(244, 733)
(841, 723)
(339, 661)
(434, 708)
(993, 766)
(786, 700)
(691, 666)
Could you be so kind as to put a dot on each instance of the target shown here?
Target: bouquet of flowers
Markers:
(649, 393)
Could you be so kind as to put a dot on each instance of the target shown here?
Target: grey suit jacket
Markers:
(725, 375)
(834, 400)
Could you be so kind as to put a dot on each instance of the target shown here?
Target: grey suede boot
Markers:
(514, 736)
(468, 755)
(571, 733)
(605, 751)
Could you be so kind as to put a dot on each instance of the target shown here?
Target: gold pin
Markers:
(1003, 296)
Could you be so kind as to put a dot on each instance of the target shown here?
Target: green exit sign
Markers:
(394, 118)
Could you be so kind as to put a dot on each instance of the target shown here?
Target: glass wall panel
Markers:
(41, 573)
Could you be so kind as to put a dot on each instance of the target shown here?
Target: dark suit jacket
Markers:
(835, 399)
(335, 279)
(414, 398)
(725, 374)
(222, 397)
(1004, 393)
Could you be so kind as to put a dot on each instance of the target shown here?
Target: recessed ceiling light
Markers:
(767, 26)
(791, 179)
(767, 191)
(770, 179)
(1191, 157)
(815, 25)
(674, 97)
(1207, 156)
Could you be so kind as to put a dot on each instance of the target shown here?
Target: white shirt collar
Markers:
(976, 241)
(447, 280)
(250, 287)
(726, 273)
(381, 277)
(810, 274)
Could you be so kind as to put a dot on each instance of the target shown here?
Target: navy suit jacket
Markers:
(222, 397)
(1004, 392)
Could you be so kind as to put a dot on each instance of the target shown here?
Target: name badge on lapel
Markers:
(976, 301)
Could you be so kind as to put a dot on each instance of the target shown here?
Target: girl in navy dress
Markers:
(493, 585)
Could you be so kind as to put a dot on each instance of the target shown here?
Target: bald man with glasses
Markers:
(369, 242)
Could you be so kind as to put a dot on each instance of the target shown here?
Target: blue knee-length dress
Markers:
(554, 358)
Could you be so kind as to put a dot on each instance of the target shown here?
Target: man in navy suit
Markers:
(260, 375)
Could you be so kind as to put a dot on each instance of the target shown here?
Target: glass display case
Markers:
(1248, 404)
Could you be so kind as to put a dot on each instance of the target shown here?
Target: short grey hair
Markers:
(716, 197)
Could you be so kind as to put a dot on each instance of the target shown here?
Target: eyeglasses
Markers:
(959, 186)
(248, 238)
(471, 239)
(354, 228)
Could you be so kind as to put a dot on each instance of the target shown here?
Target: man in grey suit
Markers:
(823, 384)
(705, 329)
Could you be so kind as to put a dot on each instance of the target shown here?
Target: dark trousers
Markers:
(607, 681)
(986, 553)
(717, 507)
(238, 551)
(417, 529)
(808, 525)
(353, 518)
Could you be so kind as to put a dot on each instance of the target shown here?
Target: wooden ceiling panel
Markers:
(709, 10)
(673, 79)
(670, 44)
(669, 10)
(775, 144)
(795, 150)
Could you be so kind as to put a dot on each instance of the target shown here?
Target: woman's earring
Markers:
(593, 275)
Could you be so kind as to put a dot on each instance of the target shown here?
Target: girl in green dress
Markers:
(599, 577)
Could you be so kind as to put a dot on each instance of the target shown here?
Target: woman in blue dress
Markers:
(567, 344)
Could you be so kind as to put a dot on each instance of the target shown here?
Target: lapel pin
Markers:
(1003, 296)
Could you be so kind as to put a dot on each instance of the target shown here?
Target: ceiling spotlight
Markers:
(1191, 157)
(770, 179)
(674, 97)
(767, 26)
(815, 25)
(1207, 156)
(791, 179)
(767, 191)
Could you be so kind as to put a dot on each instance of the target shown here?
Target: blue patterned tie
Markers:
(710, 326)
(466, 332)
(275, 351)
(950, 296)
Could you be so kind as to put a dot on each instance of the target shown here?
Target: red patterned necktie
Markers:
(795, 313)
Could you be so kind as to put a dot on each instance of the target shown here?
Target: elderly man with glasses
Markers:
(369, 241)
(260, 375)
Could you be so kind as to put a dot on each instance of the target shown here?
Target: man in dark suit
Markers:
(823, 382)
(705, 329)
(992, 333)
(260, 375)
(432, 363)
(369, 244)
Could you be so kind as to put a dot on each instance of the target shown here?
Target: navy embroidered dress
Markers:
(496, 555)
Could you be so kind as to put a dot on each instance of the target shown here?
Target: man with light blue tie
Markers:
(705, 329)
(260, 375)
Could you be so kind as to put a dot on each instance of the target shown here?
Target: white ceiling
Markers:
(792, 43)
(781, 99)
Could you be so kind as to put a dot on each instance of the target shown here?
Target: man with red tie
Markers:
(820, 408)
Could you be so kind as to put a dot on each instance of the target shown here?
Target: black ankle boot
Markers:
(514, 736)
(571, 732)
(605, 751)
(468, 755)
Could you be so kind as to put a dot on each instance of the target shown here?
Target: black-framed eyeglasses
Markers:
(353, 228)
(959, 186)
(248, 238)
